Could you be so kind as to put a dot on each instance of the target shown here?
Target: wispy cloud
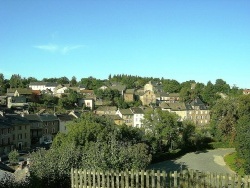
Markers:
(60, 49)
(66, 49)
(49, 47)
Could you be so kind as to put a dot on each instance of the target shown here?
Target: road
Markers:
(209, 160)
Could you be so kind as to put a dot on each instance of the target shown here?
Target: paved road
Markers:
(210, 160)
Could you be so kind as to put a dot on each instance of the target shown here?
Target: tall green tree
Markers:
(16, 81)
(243, 141)
(171, 86)
(73, 81)
(224, 116)
(161, 127)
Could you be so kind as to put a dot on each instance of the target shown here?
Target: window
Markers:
(8, 130)
(20, 127)
(46, 131)
(25, 127)
(53, 130)
(13, 137)
(25, 135)
(19, 136)
(8, 140)
(196, 112)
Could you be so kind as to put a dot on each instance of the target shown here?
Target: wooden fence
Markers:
(155, 179)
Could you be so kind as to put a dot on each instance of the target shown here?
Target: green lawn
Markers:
(234, 163)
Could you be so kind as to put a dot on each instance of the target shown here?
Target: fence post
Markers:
(72, 178)
(98, 179)
(132, 178)
(80, 174)
(117, 175)
(158, 179)
(246, 183)
(247, 179)
(175, 179)
(127, 178)
(103, 179)
(142, 178)
(239, 181)
(164, 182)
(136, 179)
(122, 179)
(76, 178)
(147, 179)
(153, 178)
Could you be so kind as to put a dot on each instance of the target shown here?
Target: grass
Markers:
(234, 163)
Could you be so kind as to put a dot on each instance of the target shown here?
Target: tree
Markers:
(224, 116)
(104, 145)
(16, 81)
(171, 86)
(52, 167)
(221, 86)
(163, 126)
(13, 157)
(73, 81)
(63, 80)
(243, 141)
(188, 134)
(1, 80)
(209, 94)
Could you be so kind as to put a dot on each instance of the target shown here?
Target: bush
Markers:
(13, 157)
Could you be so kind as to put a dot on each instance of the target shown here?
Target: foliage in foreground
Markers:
(92, 142)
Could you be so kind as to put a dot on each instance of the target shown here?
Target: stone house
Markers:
(86, 102)
(14, 133)
(149, 97)
(116, 118)
(50, 126)
(36, 128)
(153, 86)
(177, 108)
(43, 86)
(106, 110)
(129, 95)
(127, 115)
(198, 112)
(138, 116)
(65, 119)
(17, 102)
(246, 91)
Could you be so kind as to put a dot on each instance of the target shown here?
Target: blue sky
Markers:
(175, 39)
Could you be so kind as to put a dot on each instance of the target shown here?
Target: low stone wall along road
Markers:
(207, 161)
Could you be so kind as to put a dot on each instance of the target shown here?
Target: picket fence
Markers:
(155, 179)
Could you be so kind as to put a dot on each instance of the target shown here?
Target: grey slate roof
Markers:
(106, 108)
(198, 102)
(65, 117)
(137, 110)
(37, 83)
(48, 117)
(32, 117)
(126, 112)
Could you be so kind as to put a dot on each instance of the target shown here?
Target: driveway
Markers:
(209, 160)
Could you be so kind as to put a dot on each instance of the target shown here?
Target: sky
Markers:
(174, 39)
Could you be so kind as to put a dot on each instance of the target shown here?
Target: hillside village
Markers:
(125, 122)
(22, 129)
